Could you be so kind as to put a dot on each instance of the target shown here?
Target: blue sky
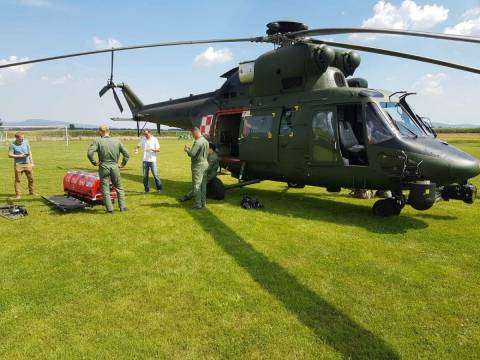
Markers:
(68, 89)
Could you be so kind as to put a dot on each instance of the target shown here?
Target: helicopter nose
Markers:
(463, 169)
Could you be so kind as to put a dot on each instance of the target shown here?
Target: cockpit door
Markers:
(258, 139)
(324, 149)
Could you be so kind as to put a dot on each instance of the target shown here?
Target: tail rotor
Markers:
(111, 85)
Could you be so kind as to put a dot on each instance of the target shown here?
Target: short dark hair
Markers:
(18, 134)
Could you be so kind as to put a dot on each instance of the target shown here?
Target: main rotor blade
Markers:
(111, 67)
(117, 100)
(104, 90)
(337, 31)
(400, 55)
(123, 48)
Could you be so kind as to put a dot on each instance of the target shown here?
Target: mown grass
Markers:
(313, 275)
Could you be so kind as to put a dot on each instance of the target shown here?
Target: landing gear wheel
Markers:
(388, 207)
(295, 185)
(215, 189)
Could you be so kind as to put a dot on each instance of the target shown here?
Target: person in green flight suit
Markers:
(213, 165)
(109, 150)
(198, 154)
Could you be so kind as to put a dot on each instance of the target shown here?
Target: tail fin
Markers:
(134, 103)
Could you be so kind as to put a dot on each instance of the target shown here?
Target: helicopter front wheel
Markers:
(388, 207)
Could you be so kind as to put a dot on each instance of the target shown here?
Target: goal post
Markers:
(35, 133)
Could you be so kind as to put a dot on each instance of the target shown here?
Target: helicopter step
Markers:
(242, 184)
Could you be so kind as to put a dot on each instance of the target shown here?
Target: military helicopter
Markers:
(296, 115)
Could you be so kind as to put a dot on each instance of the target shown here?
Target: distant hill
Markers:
(57, 123)
(42, 122)
(452, 126)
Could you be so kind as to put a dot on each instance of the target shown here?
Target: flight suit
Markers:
(198, 155)
(213, 165)
(109, 150)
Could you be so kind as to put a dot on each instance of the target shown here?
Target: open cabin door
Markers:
(226, 132)
(258, 140)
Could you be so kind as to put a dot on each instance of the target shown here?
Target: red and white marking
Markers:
(206, 124)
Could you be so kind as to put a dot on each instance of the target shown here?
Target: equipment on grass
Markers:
(215, 189)
(65, 203)
(361, 193)
(296, 115)
(248, 202)
(13, 212)
(85, 186)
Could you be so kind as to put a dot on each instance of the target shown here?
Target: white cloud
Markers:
(62, 79)
(15, 72)
(471, 13)
(101, 44)
(35, 3)
(408, 15)
(470, 26)
(211, 56)
(57, 81)
(430, 84)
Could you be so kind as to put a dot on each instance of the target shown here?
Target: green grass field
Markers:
(312, 276)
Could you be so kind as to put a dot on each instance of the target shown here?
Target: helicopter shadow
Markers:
(306, 206)
(320, 207)
(437, 217)
(328, 323)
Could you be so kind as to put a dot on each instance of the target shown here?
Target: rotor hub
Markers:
(284, 27)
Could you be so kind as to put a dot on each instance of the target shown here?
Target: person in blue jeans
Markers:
(150, 147)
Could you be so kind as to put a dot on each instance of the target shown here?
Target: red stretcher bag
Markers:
(85, 186)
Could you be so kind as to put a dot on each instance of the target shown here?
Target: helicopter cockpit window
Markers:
(286, 127)
(258, 126)
(405, 124)
(322, 125)
(377, 130)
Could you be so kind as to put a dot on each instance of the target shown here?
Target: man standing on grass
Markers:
(212, 170)
(151, 147)
(109, 150)
(21, 152)
(198, 155)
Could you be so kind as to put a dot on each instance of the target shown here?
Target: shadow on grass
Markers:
(305, 206)
(330, 324)
(436, 217)
(323, 208)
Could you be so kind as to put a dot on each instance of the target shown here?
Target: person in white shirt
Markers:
(151, 147)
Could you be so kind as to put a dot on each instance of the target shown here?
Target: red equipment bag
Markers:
(85, 186)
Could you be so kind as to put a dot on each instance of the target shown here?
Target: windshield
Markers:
(424, 122)
(399, 117)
